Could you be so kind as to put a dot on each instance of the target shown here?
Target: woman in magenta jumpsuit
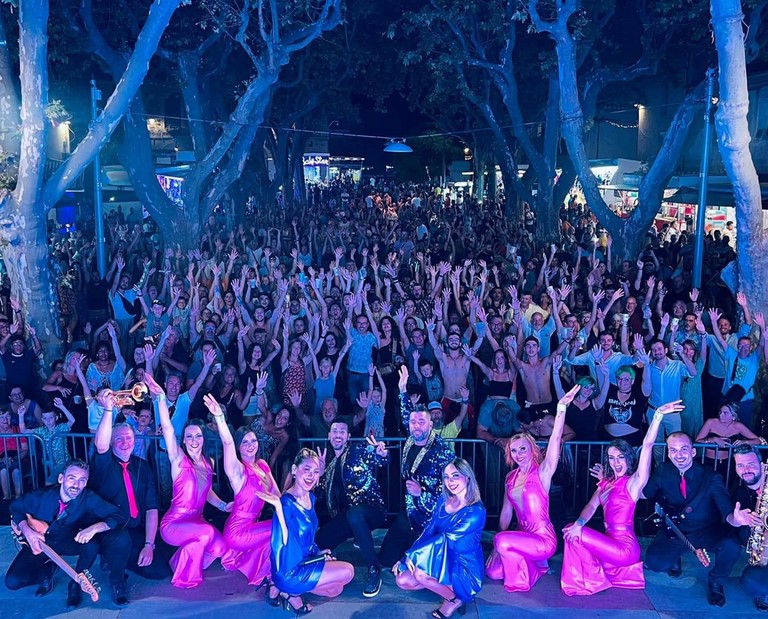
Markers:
(520, 556)
(594, 561)
(200, 543)
(248, 539)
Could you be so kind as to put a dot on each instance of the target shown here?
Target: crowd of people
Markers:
(379, 315)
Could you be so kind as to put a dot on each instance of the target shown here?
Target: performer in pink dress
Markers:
(183, 525)
(520, 557)
(248, 539)
(594, 561)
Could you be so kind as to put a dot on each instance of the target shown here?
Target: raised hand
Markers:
(262, 378)
(363, 400)
(759, 319)
(379, 447)
(567, 398)
(294, 397)
(402, 382)
(152, 386)
(213, 406)
(597, 352)
(670, 407)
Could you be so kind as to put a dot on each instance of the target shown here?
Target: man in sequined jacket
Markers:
(424, 457)
(351, 492)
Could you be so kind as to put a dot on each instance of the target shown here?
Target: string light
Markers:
(327, 133)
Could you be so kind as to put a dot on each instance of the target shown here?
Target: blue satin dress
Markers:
(449, 549)
(290, 572)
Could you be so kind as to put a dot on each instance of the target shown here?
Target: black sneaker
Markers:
(373, 584)
(119, 597)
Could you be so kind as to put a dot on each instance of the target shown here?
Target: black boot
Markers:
(677, 570)
(715, 594)
(74, 596)
(119, 596)
(46, 585)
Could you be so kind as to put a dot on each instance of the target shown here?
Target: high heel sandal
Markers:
(461, 609)
(304, 609)
(271, 601)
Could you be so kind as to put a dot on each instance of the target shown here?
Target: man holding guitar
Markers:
(52, 522)
(695, 497)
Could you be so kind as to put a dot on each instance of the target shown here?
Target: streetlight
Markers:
(397, 145)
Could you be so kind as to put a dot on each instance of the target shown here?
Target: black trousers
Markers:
(399, 538)
(30, 569)
(664, 551)
(357, 521)
(754, 579)
(129, 544)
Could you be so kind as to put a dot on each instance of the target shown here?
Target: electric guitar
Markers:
(87, 583)
(701, 553)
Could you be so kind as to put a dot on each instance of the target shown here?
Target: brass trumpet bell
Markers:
(127, 397)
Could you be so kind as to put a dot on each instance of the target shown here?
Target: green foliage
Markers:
(56, 112)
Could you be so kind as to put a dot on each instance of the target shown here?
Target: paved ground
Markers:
(224, 594)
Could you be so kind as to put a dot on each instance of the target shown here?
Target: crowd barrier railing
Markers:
(572, 484)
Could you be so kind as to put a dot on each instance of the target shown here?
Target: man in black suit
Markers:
(75, 517)
(697, 495)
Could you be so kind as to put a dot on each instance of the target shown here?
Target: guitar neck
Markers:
(53, 556)
(680, 535)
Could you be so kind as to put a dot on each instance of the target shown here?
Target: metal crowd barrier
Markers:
(572, 485)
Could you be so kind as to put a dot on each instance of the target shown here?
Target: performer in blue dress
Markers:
(298, 565)
(447, 558)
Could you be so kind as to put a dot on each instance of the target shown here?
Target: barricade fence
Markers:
(28, 462)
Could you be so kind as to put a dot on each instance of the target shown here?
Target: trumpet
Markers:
(127, 397)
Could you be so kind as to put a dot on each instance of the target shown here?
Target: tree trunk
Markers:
(23, 221)
(733, 142)
(10, 121)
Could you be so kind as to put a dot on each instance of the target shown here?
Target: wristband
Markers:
(150, 544)
(581, 522)
(260, 393)
(222, 506)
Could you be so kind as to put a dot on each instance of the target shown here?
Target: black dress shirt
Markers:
(106, 479)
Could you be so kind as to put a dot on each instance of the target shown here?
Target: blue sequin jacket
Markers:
(426, 469)
(359, 468)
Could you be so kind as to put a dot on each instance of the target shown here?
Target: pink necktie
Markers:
(134, 509)
(683, 487)
(62, 507)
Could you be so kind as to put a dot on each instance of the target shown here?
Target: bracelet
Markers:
(581, 522)
(260, 393)
(150, 544)
(222, 506)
